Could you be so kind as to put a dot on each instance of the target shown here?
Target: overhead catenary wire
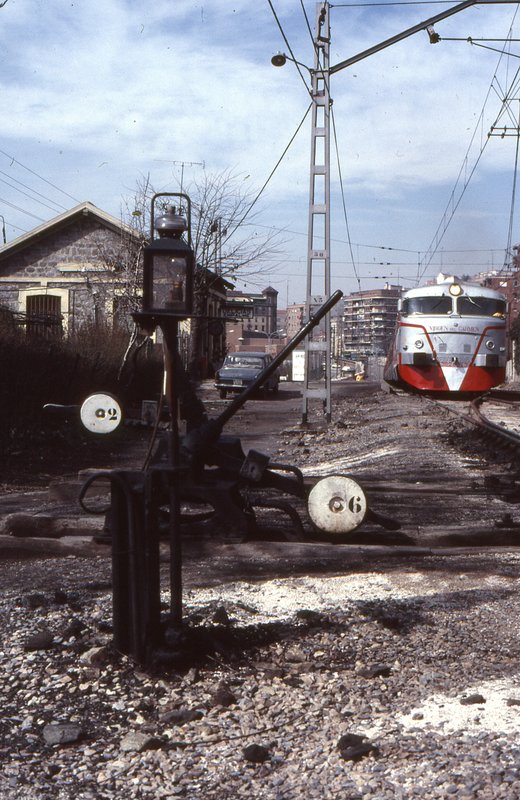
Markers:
(33, 191)
(454, 201)
(26, 194)
(344, 205)
(22, 210)
(397, 3)
(508, 251)
(462, 179)
(391, 248)
(307, 22)
(315, 48)
(13, 160)
(475, 43)
(261, 191)
(289, 46)
(32, 194)
(506, 98)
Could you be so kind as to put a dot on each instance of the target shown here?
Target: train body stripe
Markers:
(451, 379)
(454, 377)
(478, 379)
(429, 379)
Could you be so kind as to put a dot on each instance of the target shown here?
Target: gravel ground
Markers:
(381, 673)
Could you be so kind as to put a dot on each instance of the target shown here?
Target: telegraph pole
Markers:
(318, 240)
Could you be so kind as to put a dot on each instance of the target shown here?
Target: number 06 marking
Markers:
(355, 504)
(337, 504)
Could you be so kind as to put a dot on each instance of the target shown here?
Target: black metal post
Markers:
(170, 333)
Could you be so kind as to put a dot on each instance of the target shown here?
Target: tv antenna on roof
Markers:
(183, 164)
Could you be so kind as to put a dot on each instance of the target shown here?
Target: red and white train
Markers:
(450, 337)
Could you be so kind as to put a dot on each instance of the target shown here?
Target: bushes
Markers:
(35, 372)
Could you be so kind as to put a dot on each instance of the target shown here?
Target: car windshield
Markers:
(244, 361)
(481, 306)
(427, 305)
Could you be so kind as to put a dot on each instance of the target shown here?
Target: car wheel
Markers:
(223, 394)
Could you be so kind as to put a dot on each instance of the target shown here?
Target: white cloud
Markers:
(135, 87)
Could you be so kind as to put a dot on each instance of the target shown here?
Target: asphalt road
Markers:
(260, 421)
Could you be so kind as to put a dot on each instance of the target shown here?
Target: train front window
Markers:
(432, 304)
(481, 306)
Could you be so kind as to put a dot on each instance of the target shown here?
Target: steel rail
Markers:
(482, 421)
(475, 416)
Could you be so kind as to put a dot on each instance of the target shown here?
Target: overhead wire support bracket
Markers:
(421, 26)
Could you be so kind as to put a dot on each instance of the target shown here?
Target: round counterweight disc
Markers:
(101, 413)
(337, 504)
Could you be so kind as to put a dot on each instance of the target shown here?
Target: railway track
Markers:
(495, 414)
(498, 415)
(446, 482)
(405, 458)
(423, 484)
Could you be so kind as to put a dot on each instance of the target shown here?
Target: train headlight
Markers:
(455, 289)
(419, 343)
(490, 344)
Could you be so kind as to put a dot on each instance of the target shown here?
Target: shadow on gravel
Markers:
(207, 563)
(495, 538)
(403, 615)
(204, 642)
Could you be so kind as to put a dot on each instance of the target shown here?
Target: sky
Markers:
(97, 94)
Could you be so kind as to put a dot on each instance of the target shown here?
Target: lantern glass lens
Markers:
(169, 282)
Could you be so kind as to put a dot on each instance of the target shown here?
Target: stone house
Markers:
(70, 271)
(84, 267)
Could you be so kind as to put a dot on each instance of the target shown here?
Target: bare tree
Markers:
(116, 288)
(224, 237)
(226, 243)
(223, 231)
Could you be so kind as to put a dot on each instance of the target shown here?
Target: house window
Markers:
(44, 319)
(45, 311)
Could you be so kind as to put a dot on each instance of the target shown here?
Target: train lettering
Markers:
(463, 329)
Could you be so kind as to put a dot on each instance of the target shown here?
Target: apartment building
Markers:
(369, 319)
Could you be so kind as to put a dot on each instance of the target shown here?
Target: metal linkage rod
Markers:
(198, 441)
(239, 401)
